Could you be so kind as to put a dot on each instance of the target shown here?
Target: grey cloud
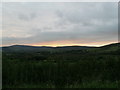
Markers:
(52, 36)
(71, 21)
(89, 11)
(24, 17)
(27, 17)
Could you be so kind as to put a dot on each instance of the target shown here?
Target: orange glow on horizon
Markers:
(71, 43)
(68, 43)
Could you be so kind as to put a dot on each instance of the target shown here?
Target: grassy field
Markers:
(61, 70)
(93, 84)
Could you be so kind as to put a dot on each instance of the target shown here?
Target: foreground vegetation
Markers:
(73, 69)
(93, 84)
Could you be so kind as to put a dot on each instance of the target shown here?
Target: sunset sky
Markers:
(60, 23)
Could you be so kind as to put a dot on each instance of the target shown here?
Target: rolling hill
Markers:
(25, 48)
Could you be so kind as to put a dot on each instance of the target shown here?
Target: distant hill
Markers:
(113, 48)
(25, 48)
(111, 45)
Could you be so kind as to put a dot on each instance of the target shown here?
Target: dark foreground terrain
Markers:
(61, 67)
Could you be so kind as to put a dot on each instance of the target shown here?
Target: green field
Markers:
(91, 68)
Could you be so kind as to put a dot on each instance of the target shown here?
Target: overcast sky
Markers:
(56, 24)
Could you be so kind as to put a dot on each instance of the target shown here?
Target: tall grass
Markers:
(84, 73)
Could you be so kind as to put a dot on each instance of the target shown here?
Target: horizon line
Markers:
(59, 45)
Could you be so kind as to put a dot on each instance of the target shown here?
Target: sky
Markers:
(60, 23)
